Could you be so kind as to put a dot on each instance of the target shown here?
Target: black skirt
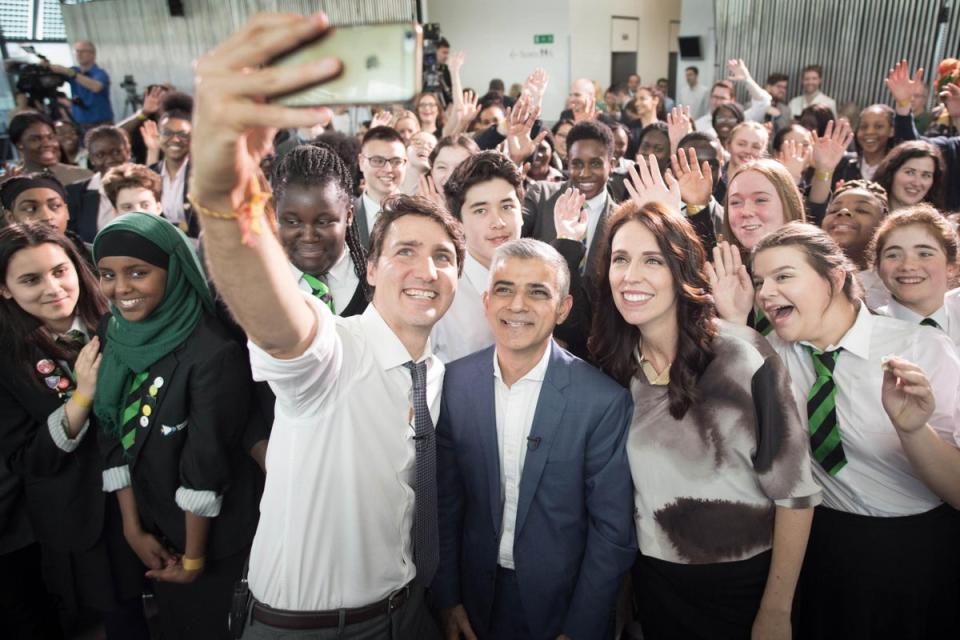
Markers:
(867, 577)
(690, 601)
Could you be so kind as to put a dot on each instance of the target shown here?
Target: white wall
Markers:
(697, 19)
(497, 37)
(590, 20)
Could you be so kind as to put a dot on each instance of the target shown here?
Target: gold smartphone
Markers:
(382, 63)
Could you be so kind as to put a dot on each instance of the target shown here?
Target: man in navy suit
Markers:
(535, 494)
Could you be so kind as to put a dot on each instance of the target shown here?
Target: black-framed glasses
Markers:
(182, 135)
(378, 162)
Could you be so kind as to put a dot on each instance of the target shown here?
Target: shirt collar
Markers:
(341, 269)
(183, 168)
(370, 205)
(857, 338)
(901, 312)
(476, 273)
(537, 373)
(388, 351)
(94, 184)
(597, 203)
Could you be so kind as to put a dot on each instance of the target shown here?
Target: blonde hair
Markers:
(782, 181)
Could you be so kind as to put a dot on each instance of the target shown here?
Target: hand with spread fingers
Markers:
(696, 181)
(521, 119)
(570, 216)
(679, 124)
(730, 284)
(902, 87)
(828, 149)
(645, 184)
(232, 125)
(381, 119)
(795, 158)
(427, 188)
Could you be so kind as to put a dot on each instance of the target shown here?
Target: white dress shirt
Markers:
(798, 104)
(878, 480)
(171, 197)
(947, 316)
(106, 212)
(342, 281)
(338, 503)
(516, 406)
(875, 293)
(371, 209)
(464, 329)
(694, 97)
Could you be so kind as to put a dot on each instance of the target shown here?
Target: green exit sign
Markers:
(543, 38)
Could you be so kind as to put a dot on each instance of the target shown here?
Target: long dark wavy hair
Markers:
(24, 334)
(613, 342)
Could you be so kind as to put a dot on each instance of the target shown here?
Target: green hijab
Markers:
(132, 347)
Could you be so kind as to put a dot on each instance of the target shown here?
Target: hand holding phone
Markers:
(232, 126)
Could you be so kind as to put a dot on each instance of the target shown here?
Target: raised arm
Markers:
(759, 97)
(232, 129)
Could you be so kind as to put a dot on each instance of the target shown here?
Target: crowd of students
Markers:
(459, 374)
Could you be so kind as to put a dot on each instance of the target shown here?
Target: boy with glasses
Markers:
(383, 158)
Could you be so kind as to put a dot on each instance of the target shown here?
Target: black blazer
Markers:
(84, 207)
(193, 224)
(63, 491)
(360, 222)
(192, 438)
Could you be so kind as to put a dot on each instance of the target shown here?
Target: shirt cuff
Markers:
(57, 424)
(804, 502)
(116, 478)
(202, 503)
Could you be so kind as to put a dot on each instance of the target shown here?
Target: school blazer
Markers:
(192, 438)
(84, 207)
(63, 492)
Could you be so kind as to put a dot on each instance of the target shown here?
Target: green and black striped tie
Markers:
(320, 291)
(825, 442)
(761, 322)
(930, 322)
(131, 414)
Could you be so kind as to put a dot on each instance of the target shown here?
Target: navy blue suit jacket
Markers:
(574, 535)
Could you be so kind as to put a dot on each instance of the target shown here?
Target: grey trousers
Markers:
(412, 621)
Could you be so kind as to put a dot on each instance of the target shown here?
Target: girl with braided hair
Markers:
(312, 195)
(853, 215)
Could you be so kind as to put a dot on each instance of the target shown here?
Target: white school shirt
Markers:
(464, 329)
(105, 213)
(878, 480)
(342, 281)
(947, 316)
(875, 293)
(171, 197)
(799, 103)
(516, 406)
(338, 503)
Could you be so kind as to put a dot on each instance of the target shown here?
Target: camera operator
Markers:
(90, 86)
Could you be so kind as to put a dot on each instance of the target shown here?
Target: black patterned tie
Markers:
(930, 322)
(426, 536)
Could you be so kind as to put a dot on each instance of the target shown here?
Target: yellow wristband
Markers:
(193, 564)
(823, 175)
(82, 400)
(141, 116)
(904, 103)
(693, 209)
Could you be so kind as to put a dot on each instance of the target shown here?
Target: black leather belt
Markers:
(302, 620)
